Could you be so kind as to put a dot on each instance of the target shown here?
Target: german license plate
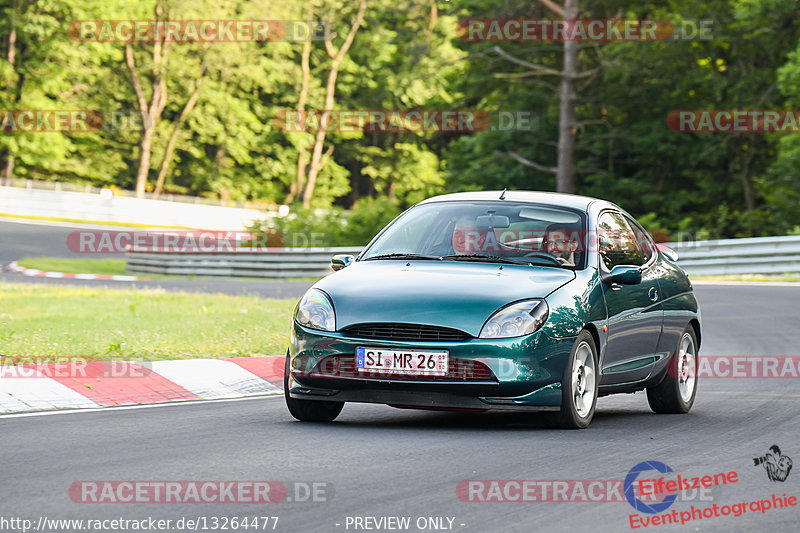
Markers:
(411, 362)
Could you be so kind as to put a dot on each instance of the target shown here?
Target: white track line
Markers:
(133, 407)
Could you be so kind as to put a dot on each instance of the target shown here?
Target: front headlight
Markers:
(515, 320)
(315, 311)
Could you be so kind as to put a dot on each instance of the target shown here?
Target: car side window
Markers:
(617, 244)
(642, 240)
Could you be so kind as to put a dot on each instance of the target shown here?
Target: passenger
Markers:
(562, 243)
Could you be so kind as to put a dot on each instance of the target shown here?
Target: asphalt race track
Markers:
(26, 239)
(19, 240)
(376, 461)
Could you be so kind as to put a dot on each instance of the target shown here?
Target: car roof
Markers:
(551, 198)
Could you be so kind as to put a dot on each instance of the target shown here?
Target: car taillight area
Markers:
(344, 366)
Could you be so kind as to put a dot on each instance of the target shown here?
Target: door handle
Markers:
(652, 294)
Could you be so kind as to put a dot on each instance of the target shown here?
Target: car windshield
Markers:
(485, 231)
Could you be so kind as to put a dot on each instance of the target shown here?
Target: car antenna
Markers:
(503, 194)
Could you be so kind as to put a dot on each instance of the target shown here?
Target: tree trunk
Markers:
(152, 113)
(173, 139)
(145, 148)
(747, 186)
(219, 159)
(434, 18)
(565, 177)
(8, 169)
(302, 156)
(12, 46)
(330, 91)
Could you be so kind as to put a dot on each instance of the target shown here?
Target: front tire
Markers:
(676, 392)
(579, 384)
(309, 410)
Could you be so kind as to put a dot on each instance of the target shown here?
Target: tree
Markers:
(330, 90)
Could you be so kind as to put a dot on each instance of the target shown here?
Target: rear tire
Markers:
(579, 384)
(309, 410)
(676, 392)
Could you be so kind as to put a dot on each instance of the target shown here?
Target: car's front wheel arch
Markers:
(592, 329)
(696, 326)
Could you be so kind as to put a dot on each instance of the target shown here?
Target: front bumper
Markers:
(517, 373)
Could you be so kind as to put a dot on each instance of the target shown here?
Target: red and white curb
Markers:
(14, 267)
(115, 383)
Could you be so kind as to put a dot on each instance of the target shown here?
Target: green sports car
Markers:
(498, 300)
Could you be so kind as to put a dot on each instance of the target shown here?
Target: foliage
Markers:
(334, 226)
(407, 55)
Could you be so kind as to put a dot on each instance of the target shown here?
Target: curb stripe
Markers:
(32, 272)
(116, 383)
(25, 394)
(213, 378)
(266, 368)
(120, 383)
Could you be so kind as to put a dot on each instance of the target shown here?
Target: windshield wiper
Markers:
(403, 256)
(486, 258)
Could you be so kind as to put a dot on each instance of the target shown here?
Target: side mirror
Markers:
(624, 275)
(338, 262)
(671, 254)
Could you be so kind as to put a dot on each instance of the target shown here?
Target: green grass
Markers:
(750, 277)
(112, 267)
(68, 323)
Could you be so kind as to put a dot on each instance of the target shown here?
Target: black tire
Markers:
(571, 416)
(309, 410)
(667, 397)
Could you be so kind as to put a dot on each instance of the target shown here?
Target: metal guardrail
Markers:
(286, 263)
(759, 255)
(763, 255)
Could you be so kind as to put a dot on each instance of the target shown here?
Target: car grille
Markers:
(406, 332)
(344, 366)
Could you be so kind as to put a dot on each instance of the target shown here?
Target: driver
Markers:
(562, 243)
(467, 238)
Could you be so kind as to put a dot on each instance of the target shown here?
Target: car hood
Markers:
(460, 295)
